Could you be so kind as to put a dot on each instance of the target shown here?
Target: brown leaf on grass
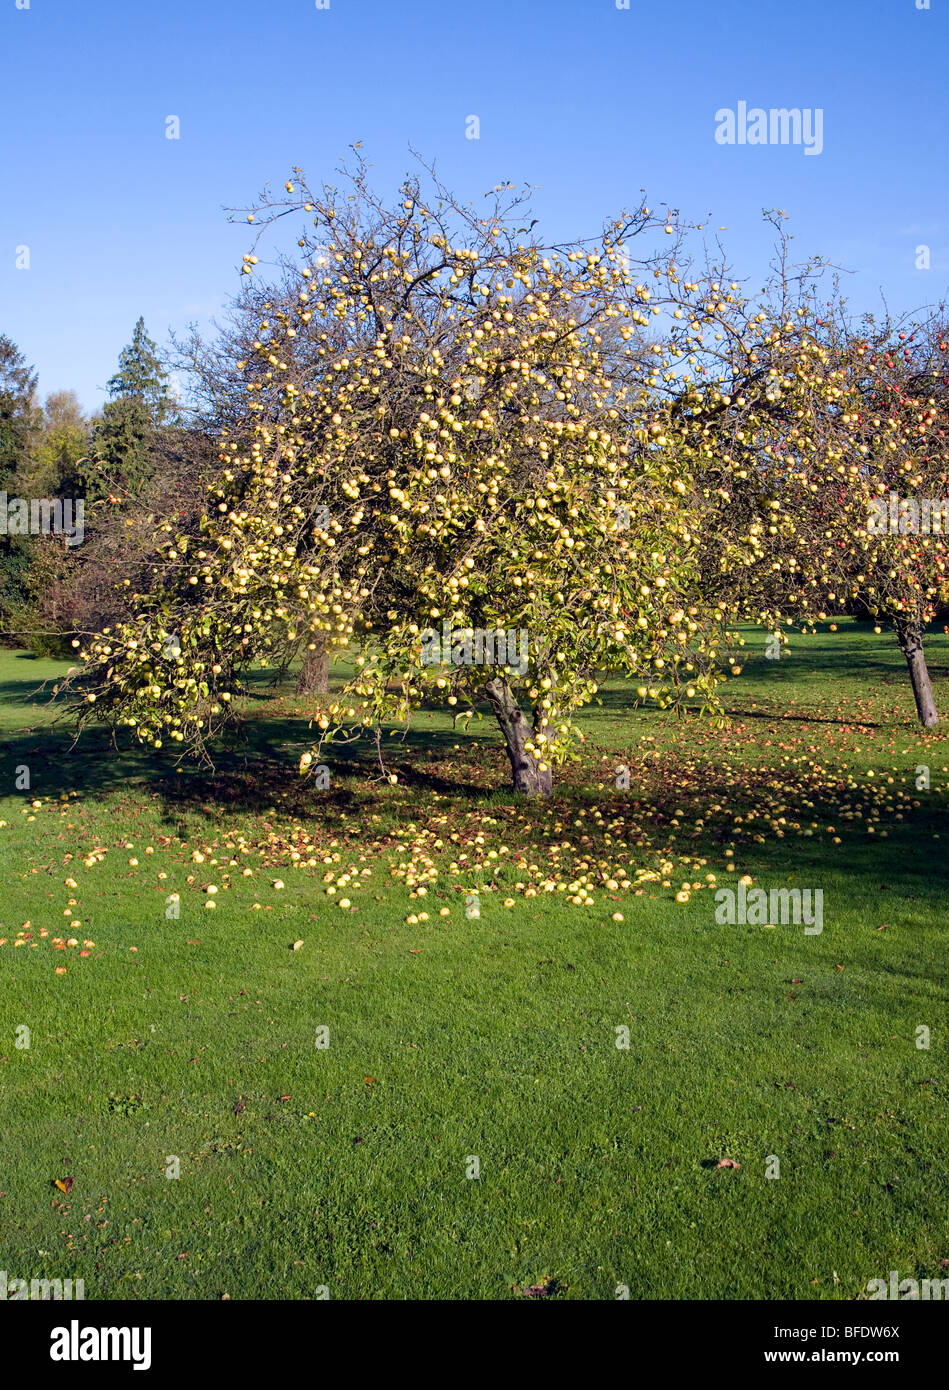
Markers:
(64, 1185)
(241, 1106)
(544, 1288)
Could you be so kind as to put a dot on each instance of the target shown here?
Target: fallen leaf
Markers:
(544, 1288)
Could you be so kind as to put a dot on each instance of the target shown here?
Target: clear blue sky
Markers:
(588, 101)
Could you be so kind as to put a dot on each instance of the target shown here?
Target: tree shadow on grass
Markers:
(32, 694)
(255, 772)
(637, 827)
(802, 718)
(619, 701)
(252, 769)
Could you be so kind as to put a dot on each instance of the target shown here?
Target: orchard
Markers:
(484, 826)
(450, 425)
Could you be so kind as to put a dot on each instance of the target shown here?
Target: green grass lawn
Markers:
(492, 1037)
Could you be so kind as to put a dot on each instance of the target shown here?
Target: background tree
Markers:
(57, 593)
(61, 449)
(899, 554)
(124, 437)
(19, 423)
(818, 418)
(40, 608)
(19, 416)
(141, 376)
(765, 425)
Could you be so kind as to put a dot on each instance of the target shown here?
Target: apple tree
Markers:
(447, 469)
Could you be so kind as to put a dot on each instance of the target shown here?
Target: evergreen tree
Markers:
(123, 441)
(18, 412)
(141, 377)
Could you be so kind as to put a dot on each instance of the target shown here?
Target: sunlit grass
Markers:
(196, 1037)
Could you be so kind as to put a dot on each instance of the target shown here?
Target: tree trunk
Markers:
(525, 774)
(910, 639)
(314, 677)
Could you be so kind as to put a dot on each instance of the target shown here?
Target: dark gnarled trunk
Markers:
(910, 638)
(314, 677)
(526, 776)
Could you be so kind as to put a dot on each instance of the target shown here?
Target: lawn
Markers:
(326, 1107)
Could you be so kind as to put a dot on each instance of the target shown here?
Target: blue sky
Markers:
(589, 101)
